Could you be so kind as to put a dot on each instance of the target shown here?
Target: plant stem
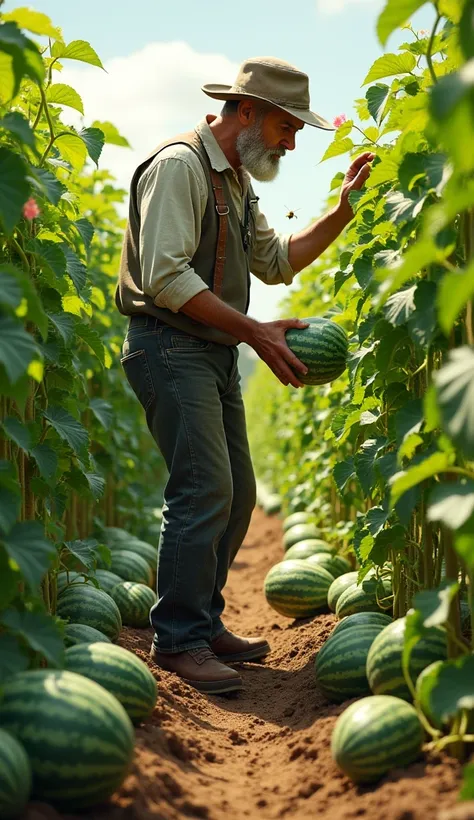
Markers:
(430, 46)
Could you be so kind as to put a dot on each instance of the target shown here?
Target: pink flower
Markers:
(423, 32)
(339, 120)
(30, 209)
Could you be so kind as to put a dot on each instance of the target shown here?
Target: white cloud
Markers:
(336, 6)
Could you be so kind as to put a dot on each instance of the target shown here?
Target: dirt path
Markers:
(263, 753)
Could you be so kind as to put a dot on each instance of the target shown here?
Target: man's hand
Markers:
(268, 340)
(354, 180)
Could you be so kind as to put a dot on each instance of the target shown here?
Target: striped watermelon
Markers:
(107, 580)
(465, 615)
(15, 776)
(374, 735)
(340, 665)
(116, 535)
(338, 586)
(335, 564)
(297, 590)
(78, 737)
(297, 518)
(146, 550)
(384, 663)
(371, 595)
(311, 546)
(84, 604)
(64, 579)
(80, 633)
(360, 619)
(322, 347)
(131, 567)
(134, 602)
(119, 671)
(300, 532)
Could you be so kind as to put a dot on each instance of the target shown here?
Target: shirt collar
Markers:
(215, 153)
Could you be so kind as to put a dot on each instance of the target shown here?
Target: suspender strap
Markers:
(222, 209)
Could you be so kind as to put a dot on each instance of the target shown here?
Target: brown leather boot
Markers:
(200, 668)
(232, 648)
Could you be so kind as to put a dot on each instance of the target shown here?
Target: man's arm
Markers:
(307, 245)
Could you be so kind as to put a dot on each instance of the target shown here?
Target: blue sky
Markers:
(158, 54)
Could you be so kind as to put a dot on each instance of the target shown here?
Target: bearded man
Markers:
(195, 233)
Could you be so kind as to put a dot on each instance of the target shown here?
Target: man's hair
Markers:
(230, 108)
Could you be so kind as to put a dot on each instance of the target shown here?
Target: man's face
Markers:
(261, 144)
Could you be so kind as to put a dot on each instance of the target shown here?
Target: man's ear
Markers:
(246, 112)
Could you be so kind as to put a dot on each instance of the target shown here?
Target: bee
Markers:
(291, 214)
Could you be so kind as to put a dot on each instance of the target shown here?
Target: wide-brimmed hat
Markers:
(274, 81)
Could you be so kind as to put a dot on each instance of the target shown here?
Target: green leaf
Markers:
(364, 461)
(399, 207)
(405, 480)
(40, 632)
(13, 658)
(377, 96)
(409, 447)
(92, 339)
(61, 94)
(338, 147)
(400, 306)
(49, 253)
(68, 428)
(343, 472)
(103, 411)
(94, 140)
(467, 791)
(389, 65)
(65, 325)
(75, 267)
(452, 503)
(394, 15)
(17, 432)
(450, 90)
(34, 21)
(454, 292)
(10, 290)
(19, 127)
(375, 520)
(434, 604)
(445, 688)
(17, 348)
(10, 504)
(77, 50)
(111, 134)
(48, 184)
(14, 188)
(388, 540)
(466, 30)
(422, 322)
(84, 553)
(31, 551)
(409, 419)
(73, 149)
(455, 392)
(46, 459)
(86, 231)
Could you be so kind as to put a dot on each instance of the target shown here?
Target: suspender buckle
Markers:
(223, 212)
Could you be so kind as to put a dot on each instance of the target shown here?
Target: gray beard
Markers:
(263, 164)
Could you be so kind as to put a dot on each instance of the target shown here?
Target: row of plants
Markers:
(383, 456)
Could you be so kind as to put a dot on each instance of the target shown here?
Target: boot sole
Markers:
(215, 687)
(251, 655)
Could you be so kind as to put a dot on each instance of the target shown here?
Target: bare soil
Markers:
(263, 753)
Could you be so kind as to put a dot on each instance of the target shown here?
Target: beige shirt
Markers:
(172, 195)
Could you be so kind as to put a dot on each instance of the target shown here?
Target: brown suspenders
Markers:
(222, 209)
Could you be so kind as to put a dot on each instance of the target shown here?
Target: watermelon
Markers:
(340, 665)
(371, 595)
(300, 532)
(64, 579)
(119, 671)
(114, 536)
(338, 586)
(322, 347)
(335, 564)
(134, 602)
(361, 619)
(297, 590)
(107, 580)
(80, 633)
(465, 615)
(384, 662)
(84, 604)
(78, 737)
(374, 735)
(311, 546)
(146, 550)
(131, 567)
(297, 518)
(15, 776)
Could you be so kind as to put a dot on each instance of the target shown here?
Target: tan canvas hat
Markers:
(275, 81)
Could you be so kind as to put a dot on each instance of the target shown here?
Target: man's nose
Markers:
(289, 143)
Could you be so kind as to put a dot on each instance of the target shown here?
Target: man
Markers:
(195, 232)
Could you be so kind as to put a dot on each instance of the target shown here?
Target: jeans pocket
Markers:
(137, 371)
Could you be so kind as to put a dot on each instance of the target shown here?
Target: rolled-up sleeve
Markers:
(171, 201)
(270, 253)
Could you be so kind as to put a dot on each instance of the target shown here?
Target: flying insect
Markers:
(291, 214)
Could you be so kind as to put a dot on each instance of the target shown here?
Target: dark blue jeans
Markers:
(190, 391)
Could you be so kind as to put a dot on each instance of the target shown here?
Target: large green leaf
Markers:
(94, 140)
(409, 419)
(17, 432)
(434, 604)
(46, 458)
(50, 254)
(14, 188)
(68, 428)
(103, 411)
(400, 306)
(92, 339)
(40, 631)
(377, 96)
(86, 231)
(62, 94)
(48, 184)
(10, 289)
(338, 147)
(77, 50)
(400, 207)
(394, 15)
(82, 554)
(17, 347)
(365, 460)
(389, 65)
(455, 392)
(406, 479)
(73, 149)
(466, 30)
(19, 127)
(452, 503)
(446, 688)
(467, 791)
(13, 657)
(10, 576)
(34, 21)
(31, 551)
(64, 324)
(111, 134)
(75, 267)
(10, 505)
(455, 291)
(343, 472)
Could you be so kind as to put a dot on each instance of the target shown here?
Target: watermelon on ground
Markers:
(119, 671)
(78, 737)
(335, 564)
(372, 595)
(300, 532)
(374, 735)
(134, 602)
(146, 550)
(84, 604)
(131, 567)
(107, 580)
(310, 546)
(297, 590)
(80, 633)
(359, 619)
(338, 586)
(340, 665)
(297, 518)
(384, 662)
(322, 347)
(15, 776)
